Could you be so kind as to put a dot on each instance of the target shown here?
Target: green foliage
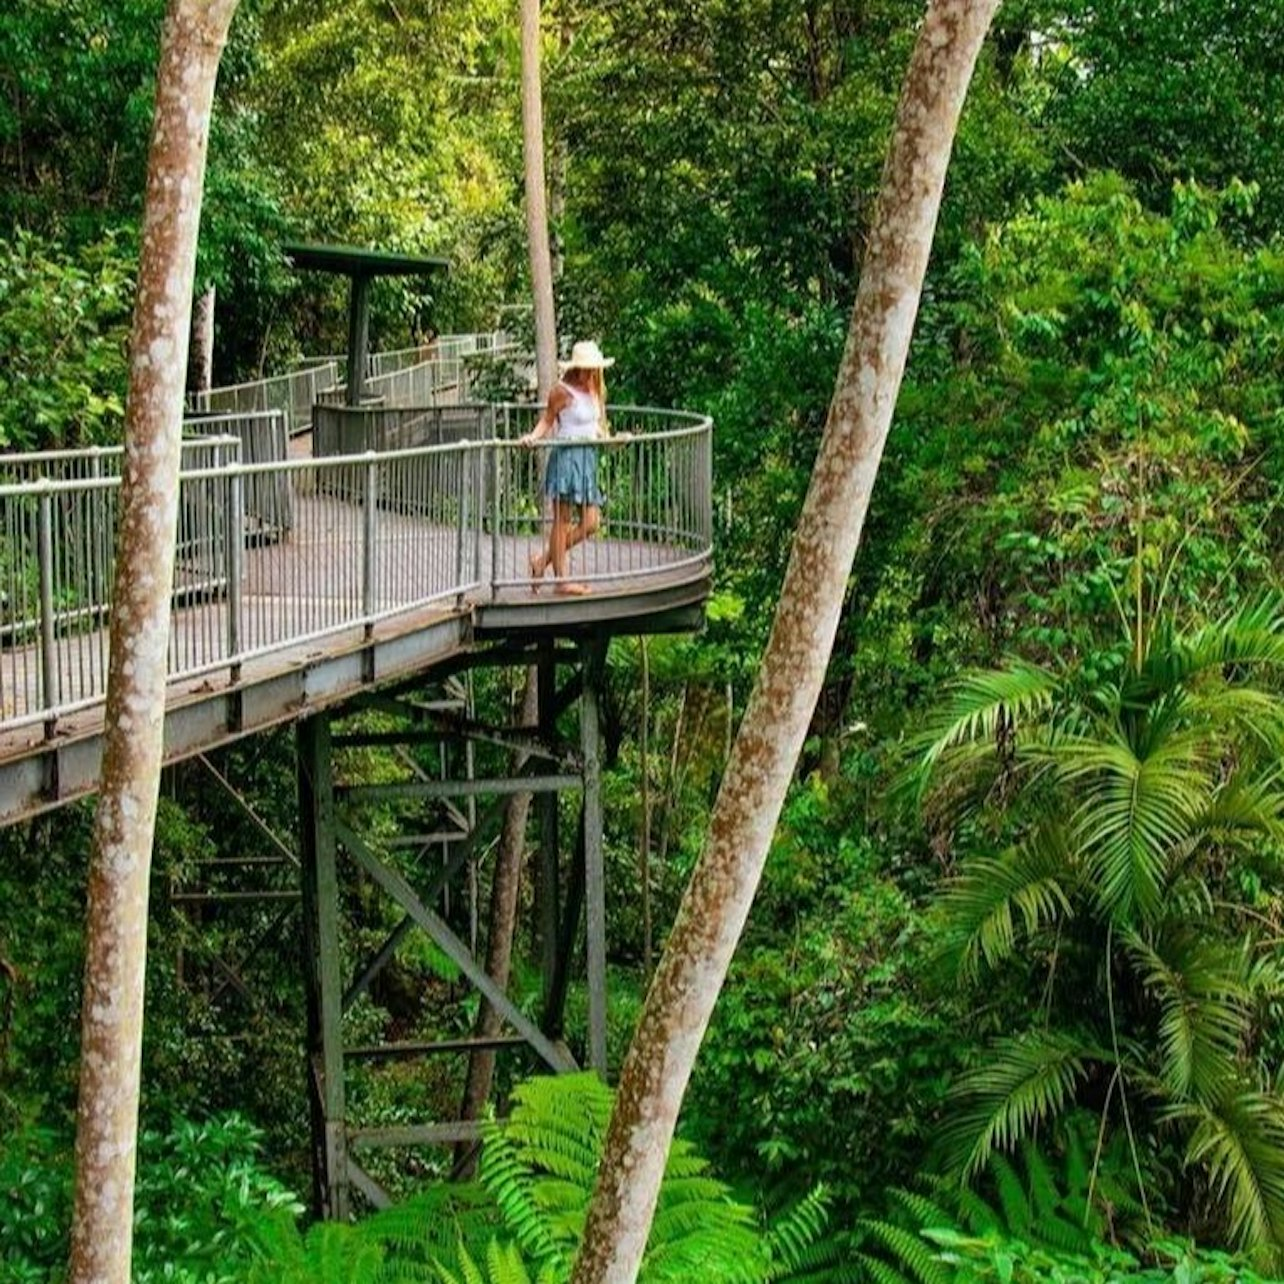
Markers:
(825, 1018)
(1128, 804)
(64, 319)
(1040, 1219)
(524, 1219)
(200, 1196)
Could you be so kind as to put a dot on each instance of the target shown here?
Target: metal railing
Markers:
(439, 380)
(372, 536)
(293, 394)
(445, 345)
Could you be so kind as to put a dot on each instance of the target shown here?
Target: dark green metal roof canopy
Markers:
(361, 266)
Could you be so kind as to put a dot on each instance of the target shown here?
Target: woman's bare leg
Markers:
(589, 524)
(564, 533)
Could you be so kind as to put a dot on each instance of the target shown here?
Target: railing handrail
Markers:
(16, 458)
(696, 425)
(265, 381)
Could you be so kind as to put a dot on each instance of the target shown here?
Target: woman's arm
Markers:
(557, 400)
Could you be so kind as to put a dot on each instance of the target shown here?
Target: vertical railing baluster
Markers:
(494, 519)
(368, 542)
(235, 566)
(464, 473)
(48, 646)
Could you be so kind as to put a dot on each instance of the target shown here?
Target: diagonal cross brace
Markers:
(400, 890)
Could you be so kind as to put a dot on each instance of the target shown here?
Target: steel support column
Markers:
(548, 909)
(594, 665)
(322, 970)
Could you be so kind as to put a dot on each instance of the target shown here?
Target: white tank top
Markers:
(579, 419)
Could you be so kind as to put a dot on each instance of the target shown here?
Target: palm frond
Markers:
(1133, 812)
(984, 904)
(1236, 709)
(980, 706)
(1246, 807)
(1240, 1141)
(1249, 636)
(1023, 1082)
(1202, 988)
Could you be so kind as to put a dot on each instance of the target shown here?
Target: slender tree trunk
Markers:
(116, 941)
(512, 842)
(537, 200)
(505, 883)
(713, 912)
(561, 164)
(200, 359)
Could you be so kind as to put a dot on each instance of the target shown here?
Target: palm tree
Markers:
(1112, 828)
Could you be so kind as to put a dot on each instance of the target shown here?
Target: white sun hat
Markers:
(586, 355)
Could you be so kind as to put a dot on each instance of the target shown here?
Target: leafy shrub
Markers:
(64, 326)
(200, 1192)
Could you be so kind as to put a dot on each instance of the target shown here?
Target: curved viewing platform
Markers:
(406, 536)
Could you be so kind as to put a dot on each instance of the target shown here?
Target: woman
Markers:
(576, 412)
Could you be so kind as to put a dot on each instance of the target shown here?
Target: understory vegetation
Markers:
(1010, 1004)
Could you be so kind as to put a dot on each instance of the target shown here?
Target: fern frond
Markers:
(912, 1254)
(880, 1272)
(1012, 1197)
(791, 1237)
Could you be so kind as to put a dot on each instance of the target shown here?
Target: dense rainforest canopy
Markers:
(1010, 1005)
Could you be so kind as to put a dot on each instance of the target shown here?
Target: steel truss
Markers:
(430, 875)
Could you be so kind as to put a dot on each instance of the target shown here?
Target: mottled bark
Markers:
(716, 904)
(116, 940)
(512, 840)
(505, 884)
(537, 201)
(200, 357)
(644, 842)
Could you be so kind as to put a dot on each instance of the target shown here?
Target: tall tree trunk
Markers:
(200, 358)
(713, 912)
(644, 846)
(537, 200)
(504, 887)
(512, 841)
(116, 942)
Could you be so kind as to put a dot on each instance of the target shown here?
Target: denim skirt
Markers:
(571, 475)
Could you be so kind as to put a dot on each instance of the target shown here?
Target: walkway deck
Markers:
(355, 594)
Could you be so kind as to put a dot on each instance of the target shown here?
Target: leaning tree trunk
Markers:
(116, 942)
(716, 904)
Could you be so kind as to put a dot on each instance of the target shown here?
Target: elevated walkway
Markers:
(301, 581)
